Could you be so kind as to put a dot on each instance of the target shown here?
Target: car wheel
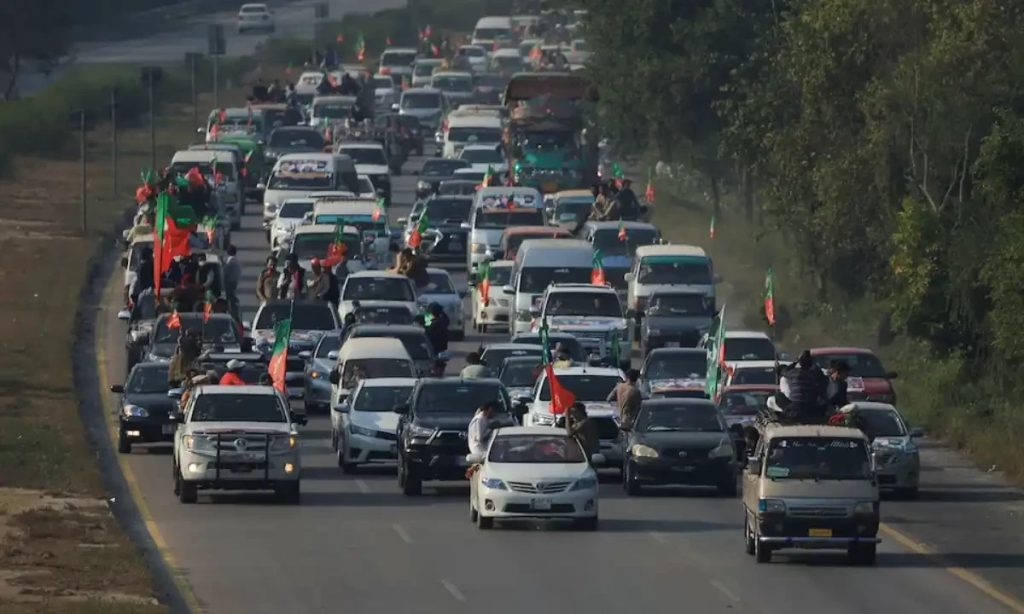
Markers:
(473, 514)
(411, 485)
(484, 522)
(176, 479)
(124, 446)
(748, 537)
(629, 481)
(288, 492)
(762, 553)
(187, 491)
(346, 468)
(334, 440)
(862, 554)
(586, 524)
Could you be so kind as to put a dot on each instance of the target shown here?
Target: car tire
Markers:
(762, 553)
(124, 445)
(411, 485)
(586, 524)
(748, 537)
(334, 440)
(176, 479)
(289, 492)
(862, 554)
(187, 491)
(473, 514)
(484, 522)
(629, 482)
(346, 468)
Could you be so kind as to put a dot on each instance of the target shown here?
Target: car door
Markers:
(752, 477)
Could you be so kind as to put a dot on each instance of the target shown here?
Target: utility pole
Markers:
(81, 121)
(216, 47)
(113, 142)
(151, 75)
(193, 59)
(85, 220)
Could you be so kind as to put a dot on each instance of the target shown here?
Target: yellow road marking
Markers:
(129, 476)
(1012, 603)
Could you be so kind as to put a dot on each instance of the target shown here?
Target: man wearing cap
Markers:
(323, 285)
(231, 377)
(292, 284)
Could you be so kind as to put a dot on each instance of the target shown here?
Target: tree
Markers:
(31, 30)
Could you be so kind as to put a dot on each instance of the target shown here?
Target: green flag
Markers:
(716, 359)
(279, 359)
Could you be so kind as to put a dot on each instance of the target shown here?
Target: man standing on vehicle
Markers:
(232, 275)
(266, 285)
(629, 205)
(474, 367)
(627, 395)
(579, 426)
(837, 373)
(292, 284)
(806, 388)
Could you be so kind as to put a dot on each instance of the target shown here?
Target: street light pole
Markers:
(81, 126)
(113, 142)
(152, 124)
(195, 97)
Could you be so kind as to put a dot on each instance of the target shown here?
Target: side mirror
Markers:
(892, 375)
(474, 459)
(200, 130)
(916, 432)
(342, 408)
(175, 393)
(394, 107)
(332, 355)
(753, 464)
(305, 355)
(523, 400)
(598, 459)
(335, 377)
(535, 312)
(402, 220)
(445, 356)
(471, 282)
(299, 419)
(124, 263)
(261, 186)
(176, 417)
(507, 289)
(118, 388)
(401, 410)
(628, 277)
(124, 315)
(465, 226)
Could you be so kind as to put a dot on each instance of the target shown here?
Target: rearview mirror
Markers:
(118, 388)
(335, 377)
(176, 416)
(753, 464)
(535, 312)
(394, 107)
(261, 186)
(523, 400)
(332, 355)
(628, 277)
(474, 459)
(124, 315)
(465, 226)
(305, 355)
(401, 409)
(508, 289)
(342, 408)
(598, 459)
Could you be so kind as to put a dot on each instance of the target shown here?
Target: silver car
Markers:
(897, 458)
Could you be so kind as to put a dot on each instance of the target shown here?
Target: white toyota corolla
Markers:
(533, 472)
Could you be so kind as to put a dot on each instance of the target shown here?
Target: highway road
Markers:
(357, 544)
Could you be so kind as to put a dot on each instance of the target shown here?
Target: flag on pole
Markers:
(337, 249)
(207, 306)
(622, 231)
(379, 209)
(769, 297)
(360, 47)
(597, 272)
(716, 359)
(279, 359)
(487, 177)
(649, 191)
(561, 397)
(484, 282)
(416, 238)
(711, 227)
(174, 321)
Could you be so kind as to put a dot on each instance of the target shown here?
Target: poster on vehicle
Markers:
(304, 168)
(855, 384)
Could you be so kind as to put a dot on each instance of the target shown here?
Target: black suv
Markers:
(432, 430)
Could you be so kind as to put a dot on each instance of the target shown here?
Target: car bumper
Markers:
(148, 431)
(429, 464)
(672, 471)
(790, 532)
(233, 474)
(903, 475)
(507, 504)
(493, 314)
(364, 449)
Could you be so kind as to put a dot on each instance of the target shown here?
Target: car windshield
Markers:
(612, 242)
(749, 349)
(688, 417)
(588, 388)
(218, 331)
(488, 34)
(474, 52)
(494, 219)
(381, 398)
(520, 373)
(762, 376)
(513, 62)
(877, 423)
(226, 169)
(378, 289)
(333, 110)
(535, 449)
(328, 344)
(536, 280)
(304, 316)
(861, 364)
(295, 209)
(499, 275)
(548, 141)
(421, 101)
(676, 365)
(442, 168)
(298, 176)
(358, 369)
(462, 399)
(572, 209)
(315, 245)
(494, 81)
(737, 403)
(442, 209)
(681, 305)
(457, 188)
(424, 69)
(440, 283)
(150, 379)
(238, 408)
(383, 315)
(672, 270)
(485, 155)
(415, 342)
(452, 84)
(397, 58)
(365, 155)
(382, 83)
(309, 139)
(493, 357)
(478, 135)
(817, 458)
(584, 304)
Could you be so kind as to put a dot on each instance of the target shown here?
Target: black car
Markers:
(457, 187)
(447, 214)
(567, 341)
(432, 429)
(434, 171)
(293, 139)
(144, 413)
(679, 441)
(220, 333)
(674, 318)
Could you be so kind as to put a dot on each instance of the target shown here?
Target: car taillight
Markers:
(384, 70)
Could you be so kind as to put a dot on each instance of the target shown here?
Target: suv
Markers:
(236, 438)
(591, 313)
(432, 428)
(255, 17)
(811, 487)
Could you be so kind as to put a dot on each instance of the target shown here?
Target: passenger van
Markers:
(368, 358)
(364, 215)
(489, 221)
(540, 263)
(469, 130)
(225, 177)
(668, 267)
(492, 29)
(303, 174)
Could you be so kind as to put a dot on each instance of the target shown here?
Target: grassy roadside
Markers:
(969, 416)
(61, 550)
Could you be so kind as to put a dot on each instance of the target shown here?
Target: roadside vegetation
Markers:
(871, 152)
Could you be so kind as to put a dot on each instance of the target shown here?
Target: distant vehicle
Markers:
(144, 413)
(867, 380)
(675, 319)
(668, 369)
(255, 18)
(423, 69)
(897, 458)
(364, 426)
(425, 104)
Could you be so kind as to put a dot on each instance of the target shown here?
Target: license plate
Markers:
(672, 344)
(541, 504)
(167, 429)
(819, 532)
(684, 468)
(456, 246)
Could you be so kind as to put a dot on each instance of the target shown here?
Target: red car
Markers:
(868, 380)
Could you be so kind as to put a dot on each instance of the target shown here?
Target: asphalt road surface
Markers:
(356, 544)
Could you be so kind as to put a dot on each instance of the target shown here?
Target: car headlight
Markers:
(365, 432)
(722, 450)
(585, 484)
(270, 208)
(865, 508)
(641, 451)
(543, 420)
(423, 186)
(199, 443)
(478, 248)
(420, 431)
(285, 442)
(139, 335)
(317, 374)
(493, 483)
(134, 411)
(771, 506)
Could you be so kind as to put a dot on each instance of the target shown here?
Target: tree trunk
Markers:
(12, 84)
(716, 195)
(748, 195)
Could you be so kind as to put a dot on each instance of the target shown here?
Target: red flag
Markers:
(387, 41)
(207, 310)
(215, 130)
(561, 397)
(622, 231)
(649, 192)
(174, 321)
(279, 359)
(337, 249)
(435, 50)
(769, 297)
(511, 202)
(222, 115)
(597, 277)
(195, 177)
(416, 237)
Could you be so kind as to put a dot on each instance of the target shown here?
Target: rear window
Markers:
(237, 408)
(817, 458)
(421, 100)
(459, 398)
(297, 138)
(378, 289)
(442, 168)
(503, 218)
(474, 135)
(675, 270)
(295, 209)
(749, 349)
(397, 58)
(439, 210)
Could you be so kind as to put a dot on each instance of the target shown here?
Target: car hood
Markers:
(536, 472)
(273, 428)
(685, 440)
(386, 421)
(371, 169)
(155, 402)
(584, 323)
(677, 323)
(448, 422)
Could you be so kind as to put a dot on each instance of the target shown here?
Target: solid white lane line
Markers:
(725, 591)
(362, 486)
(402, 533)
(658, 537)
(453, 590)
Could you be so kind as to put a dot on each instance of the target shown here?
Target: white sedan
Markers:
(533, 472)
(441, 290)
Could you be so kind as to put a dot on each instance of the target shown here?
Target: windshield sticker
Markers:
(855, 384)
(777, 472)
(674, 260)
(304, 168)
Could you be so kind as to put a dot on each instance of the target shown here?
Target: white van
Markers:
(492, 29)
(668, 267)
(376, 233)
(225, 177)
(365, 358)
(488, 220)
(470, 130)
(302, 174)
(540, 263)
